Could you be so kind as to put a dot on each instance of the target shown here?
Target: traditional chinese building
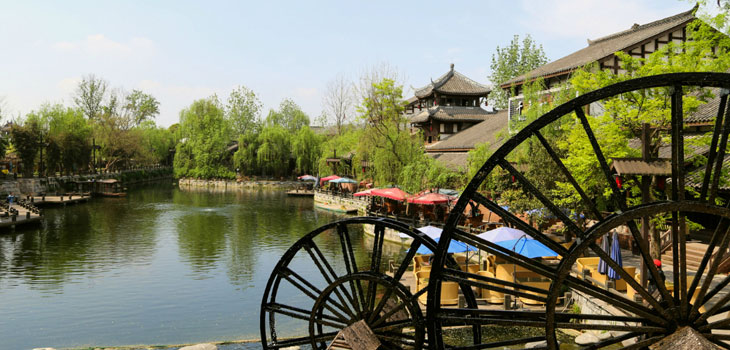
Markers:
(446, 106)
(638, 41)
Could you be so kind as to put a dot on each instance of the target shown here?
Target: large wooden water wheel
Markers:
(544, 294)
(330, 285)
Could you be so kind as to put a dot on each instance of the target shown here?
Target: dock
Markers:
(58, 199)
(12, 215)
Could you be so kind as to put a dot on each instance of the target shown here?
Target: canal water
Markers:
(161, 266)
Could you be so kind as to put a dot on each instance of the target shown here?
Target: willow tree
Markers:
(387, 141)
(204, 135)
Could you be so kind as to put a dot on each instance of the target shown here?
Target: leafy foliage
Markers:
(512, 61)
(204, 134)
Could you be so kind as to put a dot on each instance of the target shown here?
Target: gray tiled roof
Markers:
(486, 131)
(450, 114)
(452, 160)
(707, 112)
(453, 83)
(606, 46)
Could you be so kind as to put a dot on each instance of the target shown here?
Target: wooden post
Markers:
(645, 197)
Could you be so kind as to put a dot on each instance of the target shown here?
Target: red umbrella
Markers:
(392, 193)
(430, 198)
(364, 193)
(328, 178)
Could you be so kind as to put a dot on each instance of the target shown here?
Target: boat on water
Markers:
(338, 208)
(300, 193)
(109, 188)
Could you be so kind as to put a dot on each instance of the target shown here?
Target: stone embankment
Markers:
(63, 184)
(223, 185)
(361, 203)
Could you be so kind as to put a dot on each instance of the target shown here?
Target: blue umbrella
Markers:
(527, 247)
(343, 180)
(616, 256)
(454, 247)
(605, 246)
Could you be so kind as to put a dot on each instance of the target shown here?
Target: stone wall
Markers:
(223, 185)
(594, 306)
(360, 202)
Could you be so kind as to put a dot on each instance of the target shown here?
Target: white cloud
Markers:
(306, 92)
(100, 45)
(589, 19)
(67, 86)
(174, 97)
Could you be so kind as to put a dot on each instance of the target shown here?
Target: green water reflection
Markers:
(157, 267)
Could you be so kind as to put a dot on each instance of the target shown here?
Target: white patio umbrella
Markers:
(431, 231)
(503, 233)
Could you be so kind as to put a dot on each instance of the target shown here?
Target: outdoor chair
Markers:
(590, 264)
(490, 296)
(449, 290)
(620, 284)
(544, 285)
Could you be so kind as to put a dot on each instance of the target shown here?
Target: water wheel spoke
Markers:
(567, 317)
(507, 254)
(608, 327)
(312, 291)
(400, 307)
(303, 314)
(542, 198)
(648, 260)
(719, 324)
(332, 275)
(377, 255)
(348, 255)
(391, 325)
(303, 340)
(643, 344)
(397, 277)
(714, 309)
(713, 145)
(678, 219)
(720, 154)
(484, 282)
(449, 319)
(716, 289)
(395, 338)
(611, 341)
(328, 273)
(554, 156)
(718, 342)
(500, 344)
(629, 279)
(721, 227)
(519, 224)
(616, 194)
(615, 299)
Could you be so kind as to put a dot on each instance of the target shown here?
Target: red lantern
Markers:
(513, 178)
(660, 183)
(619, 182)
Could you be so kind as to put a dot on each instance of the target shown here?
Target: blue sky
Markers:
(180, 51)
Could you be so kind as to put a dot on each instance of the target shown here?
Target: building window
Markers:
(456, 128)
(441, 127)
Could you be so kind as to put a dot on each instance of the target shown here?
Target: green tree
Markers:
(289, 115)
(306, 150)
(512, 61)
(204, 137)
(340, 145)
(141, 106)
(25, 138)
(90, 95)
(387, 143)
(243, 110)
(274, 152)
(245, 158)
